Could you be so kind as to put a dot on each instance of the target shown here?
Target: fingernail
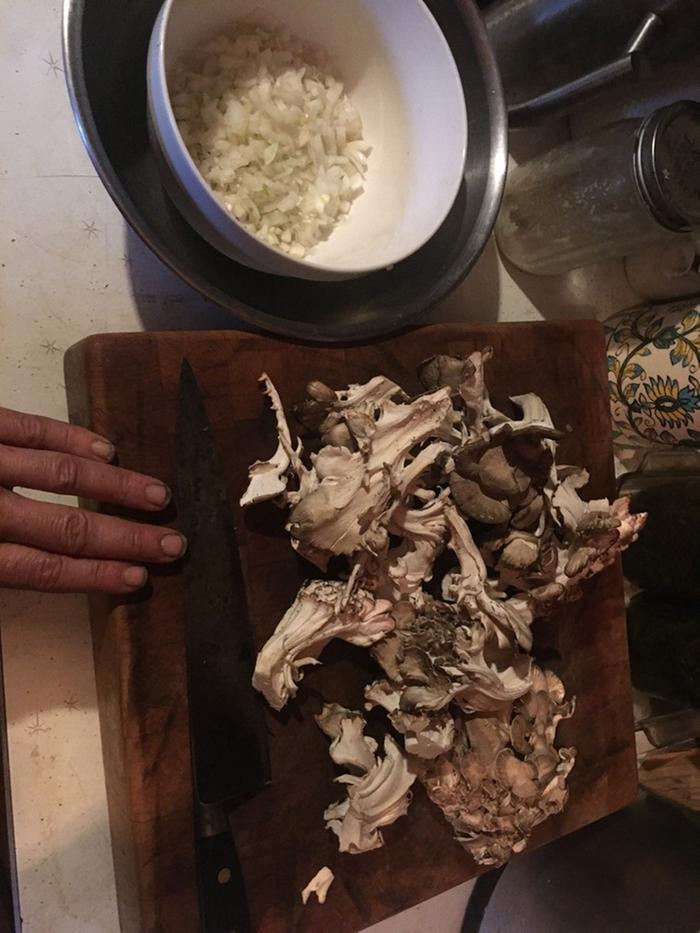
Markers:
(103, 449)
(135, 576)
(157, 494)
(173, 545)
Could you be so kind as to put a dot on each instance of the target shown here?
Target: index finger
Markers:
(20, 429)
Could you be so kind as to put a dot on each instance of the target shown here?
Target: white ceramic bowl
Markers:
(399, 73)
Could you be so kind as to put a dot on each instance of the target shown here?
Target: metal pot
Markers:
(553, 55)
(105, 45)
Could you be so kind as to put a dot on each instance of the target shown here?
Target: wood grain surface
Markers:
(125, 387)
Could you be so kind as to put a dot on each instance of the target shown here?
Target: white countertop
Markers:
(66, 262)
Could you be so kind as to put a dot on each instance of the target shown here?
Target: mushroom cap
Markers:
(338, 435)
(320, 392)
(498, 477)
(517, 775)
(528, 513)
(442, 370)
(474, 503)
(520, 552)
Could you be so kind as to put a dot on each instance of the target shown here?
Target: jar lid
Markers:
(667, 164)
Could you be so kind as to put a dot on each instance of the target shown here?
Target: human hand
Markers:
(56, 548)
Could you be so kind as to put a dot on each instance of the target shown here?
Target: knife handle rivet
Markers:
(224, 876)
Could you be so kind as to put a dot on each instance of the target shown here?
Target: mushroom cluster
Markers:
(390, 484)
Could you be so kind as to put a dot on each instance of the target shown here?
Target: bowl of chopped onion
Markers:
(319, 139)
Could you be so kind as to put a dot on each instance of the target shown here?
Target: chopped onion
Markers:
(274, 135)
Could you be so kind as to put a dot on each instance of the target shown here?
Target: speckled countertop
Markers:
(68, 268)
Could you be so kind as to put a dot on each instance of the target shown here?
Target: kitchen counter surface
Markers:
(69, 267)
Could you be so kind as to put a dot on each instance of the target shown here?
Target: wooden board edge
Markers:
(75, 376)
(76, 363)
(254, 339)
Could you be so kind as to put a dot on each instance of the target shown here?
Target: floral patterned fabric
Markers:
(654, 370)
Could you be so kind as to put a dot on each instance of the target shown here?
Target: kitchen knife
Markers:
(229, 744)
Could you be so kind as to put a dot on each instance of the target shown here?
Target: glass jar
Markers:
(621, 189)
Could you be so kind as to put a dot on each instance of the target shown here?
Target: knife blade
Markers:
(228, 741)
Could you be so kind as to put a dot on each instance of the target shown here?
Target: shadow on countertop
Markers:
(637, 871)
(164, 301)
(476, 299)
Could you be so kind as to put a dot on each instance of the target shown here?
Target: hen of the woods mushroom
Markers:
(395, 483)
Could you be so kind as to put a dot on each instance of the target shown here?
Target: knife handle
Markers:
(223, 902)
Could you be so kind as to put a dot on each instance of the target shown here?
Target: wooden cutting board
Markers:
(125, 387)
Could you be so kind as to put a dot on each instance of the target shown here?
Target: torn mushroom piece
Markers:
(437, 656)
(375, 799)
(479, 412)
(322, 611)
(440, 371)
(345, 508)
(350, 747)
(425, 735)
(332, 414)
(600, 534)
(420, 534)
(269, 478)
(335, 516)
(535, 421)
(567, 506)
(319, 885)
(509, 619)
(504, 775)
